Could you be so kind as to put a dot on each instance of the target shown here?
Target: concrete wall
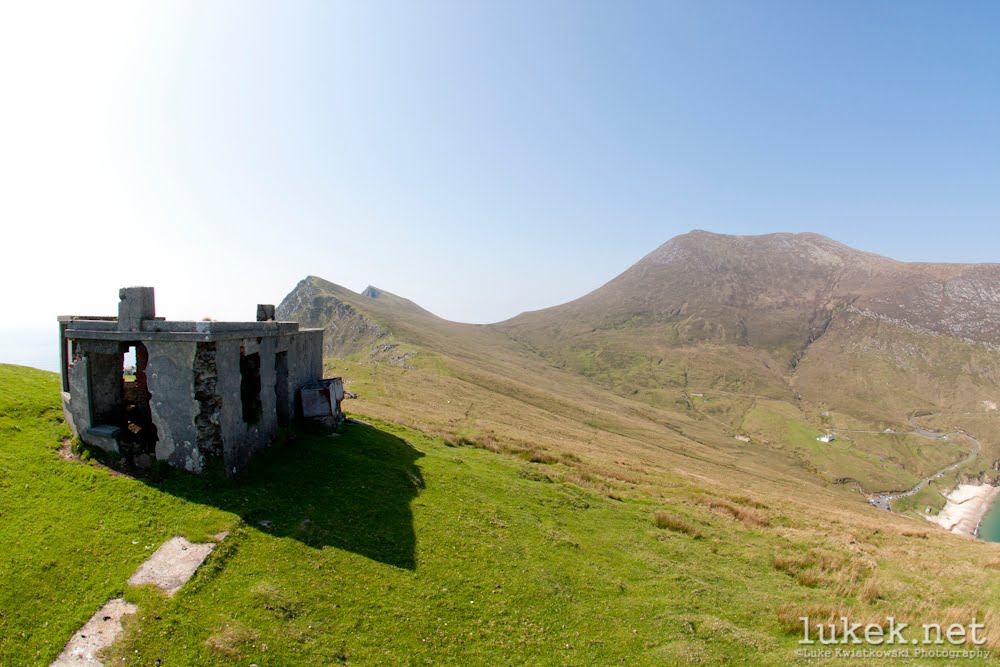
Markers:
(95, 386)
(76, 404)
(170, 376)
(242, 439)
(304, 359)
(107, 385)
(305, 362)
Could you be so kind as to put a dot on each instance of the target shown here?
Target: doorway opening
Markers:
(250, 387)
(136, 419)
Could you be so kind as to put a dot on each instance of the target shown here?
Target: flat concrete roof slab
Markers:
(77, 330)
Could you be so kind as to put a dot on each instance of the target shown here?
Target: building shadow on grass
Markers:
(351, 490)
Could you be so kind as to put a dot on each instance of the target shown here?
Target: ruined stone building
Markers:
(200, 394)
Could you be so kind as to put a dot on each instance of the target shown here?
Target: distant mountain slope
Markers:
(776, 290)
(318, 303)
(353, 322)
(774, 338)
(760, 303)
(761, 291)
(356, 322)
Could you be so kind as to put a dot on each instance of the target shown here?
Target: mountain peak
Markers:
(701, 248)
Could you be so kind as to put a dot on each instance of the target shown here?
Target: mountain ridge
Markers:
(772, 271)
(778, 315)
(690, 250)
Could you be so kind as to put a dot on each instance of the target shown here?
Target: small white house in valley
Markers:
(826, 438)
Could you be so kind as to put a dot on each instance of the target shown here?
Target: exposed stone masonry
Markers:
(209, 418)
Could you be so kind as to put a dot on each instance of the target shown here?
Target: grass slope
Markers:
(70, 534)
(419, 552)
(386, 545)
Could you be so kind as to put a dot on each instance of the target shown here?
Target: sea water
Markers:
(38, 348)
(989, 527)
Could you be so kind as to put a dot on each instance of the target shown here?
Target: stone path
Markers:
(171, 565)
(101, 630)
(168, 569)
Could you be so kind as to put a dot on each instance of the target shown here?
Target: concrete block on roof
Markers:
(135, 305)
(265, 312)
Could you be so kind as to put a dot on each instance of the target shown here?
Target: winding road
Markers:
(883, 500)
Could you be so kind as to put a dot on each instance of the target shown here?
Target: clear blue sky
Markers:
(479, 158)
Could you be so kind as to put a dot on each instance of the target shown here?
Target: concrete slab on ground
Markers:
(100, 631)
(171, 565)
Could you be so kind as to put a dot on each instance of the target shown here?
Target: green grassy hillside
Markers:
(388, 545)
(70, 533)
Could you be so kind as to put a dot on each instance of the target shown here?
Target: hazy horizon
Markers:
(37, 346)
(30, 347)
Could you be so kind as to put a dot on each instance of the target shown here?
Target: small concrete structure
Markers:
(322, 398)
(201, 391)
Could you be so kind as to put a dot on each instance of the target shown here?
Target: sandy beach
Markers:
(966, 507)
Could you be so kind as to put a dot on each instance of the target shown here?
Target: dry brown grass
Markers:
(914, 533)
(231, 639)
(747, 516)
(844, 574)
(538, 456)
(534, 474)
(791, 565)
(790, 615)
(586, 480)
(870, 591)
(749, 502)
(489, 441)
(669, 521)
(620, 473)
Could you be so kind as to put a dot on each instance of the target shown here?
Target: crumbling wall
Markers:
(174, 410)
(95, 385)
(208, 421)
(322, 399)
(200, 388)
(76, 404)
